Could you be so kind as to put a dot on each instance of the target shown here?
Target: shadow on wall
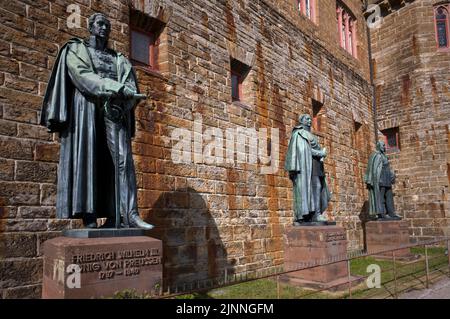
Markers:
(364, 217)
(192, 247)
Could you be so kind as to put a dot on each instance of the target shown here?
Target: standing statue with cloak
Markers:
(86, 75)
(304, 162)
(379, 179)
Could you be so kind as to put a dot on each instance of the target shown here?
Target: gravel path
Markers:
(440, 290)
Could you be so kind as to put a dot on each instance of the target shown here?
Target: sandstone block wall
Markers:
(211, 216)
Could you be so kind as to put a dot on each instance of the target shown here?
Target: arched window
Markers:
(441, 16)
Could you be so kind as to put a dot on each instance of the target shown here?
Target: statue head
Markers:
(99, 26)
(305, 121)
(381, 147)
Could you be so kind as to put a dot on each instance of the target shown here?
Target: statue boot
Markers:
(298, 222)
(319, 218)
(135, 221)
(394, 216)
(384, 217)
(90, 221)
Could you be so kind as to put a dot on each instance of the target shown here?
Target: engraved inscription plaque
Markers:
(101, 267)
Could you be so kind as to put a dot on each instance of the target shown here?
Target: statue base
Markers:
(305, 246)
(80, 268)
(387, 235)
(309, 224)
(104, 232)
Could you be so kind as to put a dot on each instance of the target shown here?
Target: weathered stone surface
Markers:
(32, 212)
(58, 224)
(19, 193)
(17, 245)
(386, 235)
(16, 149)
(305, 246)
(27, 225)
(8, 128)
(43, 237)
(6, 170)
(21, 84)
(36, 172)
(25, 292)
(47, 152)
(20, 272)
(34, 132)
(48, 195)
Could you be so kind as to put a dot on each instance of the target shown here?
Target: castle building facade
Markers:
(227, 81)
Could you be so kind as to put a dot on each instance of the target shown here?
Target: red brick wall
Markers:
(412, 81)
(210, 217)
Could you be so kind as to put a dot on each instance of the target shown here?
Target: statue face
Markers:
(381, 146)
(101, 27)
(306, 121)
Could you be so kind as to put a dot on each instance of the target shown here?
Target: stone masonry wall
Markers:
(211, 216)
(412, 79)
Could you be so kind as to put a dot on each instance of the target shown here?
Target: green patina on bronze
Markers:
(379, 179)
(90, 101)
(303, 146)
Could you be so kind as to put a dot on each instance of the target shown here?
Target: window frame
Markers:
(153, 49)
(241, 71)
(318, 113)
(347, 30)
(239, 90)
(386, 135)
(301, 7)
(446, 7)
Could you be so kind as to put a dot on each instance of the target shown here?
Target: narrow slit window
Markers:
(391, 139)
(145, 35)
(239, 72)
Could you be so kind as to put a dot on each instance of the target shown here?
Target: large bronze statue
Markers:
(304, 162)
(90, 102)
(379, 179)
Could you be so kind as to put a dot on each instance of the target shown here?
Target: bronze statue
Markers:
(379, 179)
(304, 162)
(90, 101)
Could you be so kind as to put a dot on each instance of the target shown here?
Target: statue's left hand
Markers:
(393, 178)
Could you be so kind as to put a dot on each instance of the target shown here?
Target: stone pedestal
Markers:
(107, 265)
(308, 245)
(386, 235)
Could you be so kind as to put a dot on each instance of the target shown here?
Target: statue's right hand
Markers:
(127, 93)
